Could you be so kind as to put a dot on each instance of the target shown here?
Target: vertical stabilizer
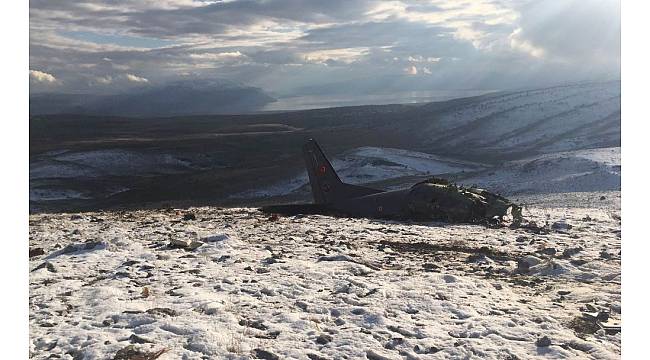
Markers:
(326, 186)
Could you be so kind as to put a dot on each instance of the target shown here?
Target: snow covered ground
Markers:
(103, 162)
(315, 287)
(52, 174)
(572, 171)
(581, 170)
(370, 164)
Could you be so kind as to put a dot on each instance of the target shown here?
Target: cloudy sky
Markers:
(289, 47)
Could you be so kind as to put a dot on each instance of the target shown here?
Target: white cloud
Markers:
(42, 77)
(411, 70)
(491, 43)
(136, 79)
(421, 59)
(525, 46)
(343, 55)
(219, 57)
(104, 80)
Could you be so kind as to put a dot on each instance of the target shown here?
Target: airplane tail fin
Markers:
(326, 186)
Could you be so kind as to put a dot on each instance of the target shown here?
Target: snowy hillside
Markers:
(96, 166)
(314, 287)
(103, 162)
(372, 164)
(582, 170)
(551, 119)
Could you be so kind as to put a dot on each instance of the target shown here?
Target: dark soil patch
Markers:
(423, 247)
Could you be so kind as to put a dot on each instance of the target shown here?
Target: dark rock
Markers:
(544, 341)
(603, 198)
(189, 217)
(184, 244)
(51, 345)
(76, 354)
(191, 271)
(162, 311)
(393, 343)
(561, 225)
(256, 324)
(605, 255)
(563, 292)
(221, 258)
(578, 262)
(313, 356)
(582, 325)
(269, 260)
(603, 316)
(571, 251)
(358, 311)
(135, 339)
(302, 305)
(525, 263)
(323, 339)
(269, 335)
(48, 265)
(411, 311)
(419, 349)
(266, 355)
(132, 353)
(429, 266)
(36, 252)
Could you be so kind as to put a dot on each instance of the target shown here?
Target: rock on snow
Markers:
(256, 288)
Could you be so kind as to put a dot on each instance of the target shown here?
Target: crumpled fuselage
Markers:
(431, 201)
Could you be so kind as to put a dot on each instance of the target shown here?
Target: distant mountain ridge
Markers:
(559, 118)
(193, 97)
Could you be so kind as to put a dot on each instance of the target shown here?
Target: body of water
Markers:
(406, 97)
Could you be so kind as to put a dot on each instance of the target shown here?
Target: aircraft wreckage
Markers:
(430, 200)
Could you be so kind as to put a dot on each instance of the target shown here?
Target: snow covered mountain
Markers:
(189, 97)
(560, 118)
